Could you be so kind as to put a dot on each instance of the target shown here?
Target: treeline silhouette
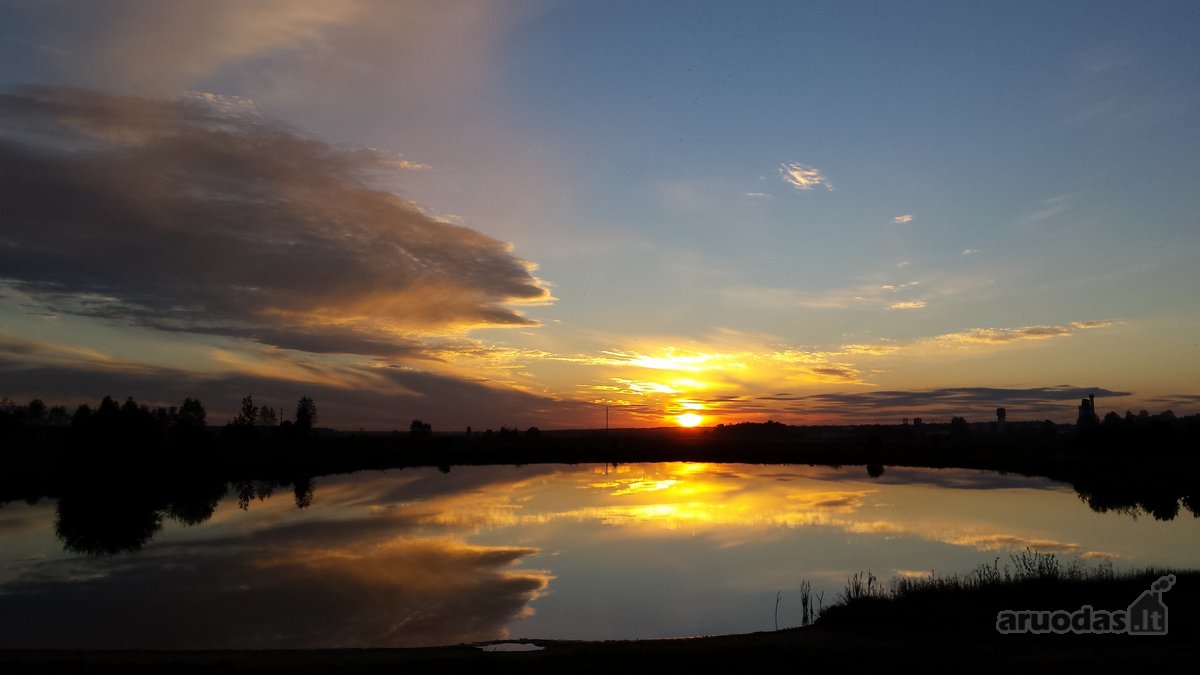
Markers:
(138, 425)
(120, 470)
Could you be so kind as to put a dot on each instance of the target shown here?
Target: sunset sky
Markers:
(517, 213)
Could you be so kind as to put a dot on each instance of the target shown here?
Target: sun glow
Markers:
(689, 419)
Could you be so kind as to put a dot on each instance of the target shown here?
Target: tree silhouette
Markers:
(191, 413)
(419, 429)
(249, 415)
(302, 491)
(306, 414)
(35, 412)
(108, 411)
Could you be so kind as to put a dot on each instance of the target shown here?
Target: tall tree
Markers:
(191, 413)
(306, 414)
(249, 414)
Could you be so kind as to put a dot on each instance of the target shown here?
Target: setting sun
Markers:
(689, 419)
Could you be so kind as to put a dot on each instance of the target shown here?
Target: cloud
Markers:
(1010, 542)
(803, 177)
(1031, 402)
(406, 592)
(190, 216)
(836, 373)
(910, 304)
(348, 396)
(998, 336)
(275, 47)
(166, 45)
(906, 218)
(1179, 403)
(1099, 323)
(837, 500)
(871, 350)
(969, 251)
(866, 295)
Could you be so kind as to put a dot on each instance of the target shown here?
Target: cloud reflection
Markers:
(405, 592)
(416, 557)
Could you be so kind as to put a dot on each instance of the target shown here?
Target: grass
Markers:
(1028, 580)
(1029, 566)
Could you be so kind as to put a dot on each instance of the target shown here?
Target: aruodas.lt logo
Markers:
(1145, 616)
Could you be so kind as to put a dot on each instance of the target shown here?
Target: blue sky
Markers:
(983, 194)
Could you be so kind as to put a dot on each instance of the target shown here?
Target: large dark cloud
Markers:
(199, 215)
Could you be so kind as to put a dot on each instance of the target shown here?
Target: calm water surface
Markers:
(421, 557)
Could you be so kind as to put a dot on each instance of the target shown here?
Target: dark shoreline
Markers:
(933, 632)
(1152, 472)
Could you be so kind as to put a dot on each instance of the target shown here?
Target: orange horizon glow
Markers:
(689, 419)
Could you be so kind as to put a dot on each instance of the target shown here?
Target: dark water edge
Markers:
(115, 490)
(949, 630)
(1154, 470)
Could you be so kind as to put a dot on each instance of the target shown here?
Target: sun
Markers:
(689, 419)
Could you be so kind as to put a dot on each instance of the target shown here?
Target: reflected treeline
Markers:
(121, 470)
(1163, 495)
(113, 515)
(1138, 464)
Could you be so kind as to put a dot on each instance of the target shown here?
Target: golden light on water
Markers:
(689, 419)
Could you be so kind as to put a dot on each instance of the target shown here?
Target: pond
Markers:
(419, 557)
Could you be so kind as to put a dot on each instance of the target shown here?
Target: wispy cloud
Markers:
(1098, 323)
(1008, 542)
(360, 393)
(1047, 210)
(870, 350)
(1178, 403)
(1000, 336)
(910, 304)
(866, 295)
(803, 177)
(906, 218)
(1030, 402)
(969, 251)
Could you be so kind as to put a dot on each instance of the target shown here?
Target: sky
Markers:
(522, 213)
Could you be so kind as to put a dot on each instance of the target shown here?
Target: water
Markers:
(421, 557)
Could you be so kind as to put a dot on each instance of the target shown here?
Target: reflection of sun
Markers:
(689, 419)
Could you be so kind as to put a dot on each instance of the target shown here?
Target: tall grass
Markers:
(862, 585)
(811, 605)
(1026, 566)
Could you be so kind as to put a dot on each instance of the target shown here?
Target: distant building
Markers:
(1087, 413)
(1001, 413)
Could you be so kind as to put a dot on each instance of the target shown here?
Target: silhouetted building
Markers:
(1001, 413)
(1087, 413)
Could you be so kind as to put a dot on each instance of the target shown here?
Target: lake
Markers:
(425, 557)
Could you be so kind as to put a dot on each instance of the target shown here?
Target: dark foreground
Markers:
(800, 648)
(948, 628)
